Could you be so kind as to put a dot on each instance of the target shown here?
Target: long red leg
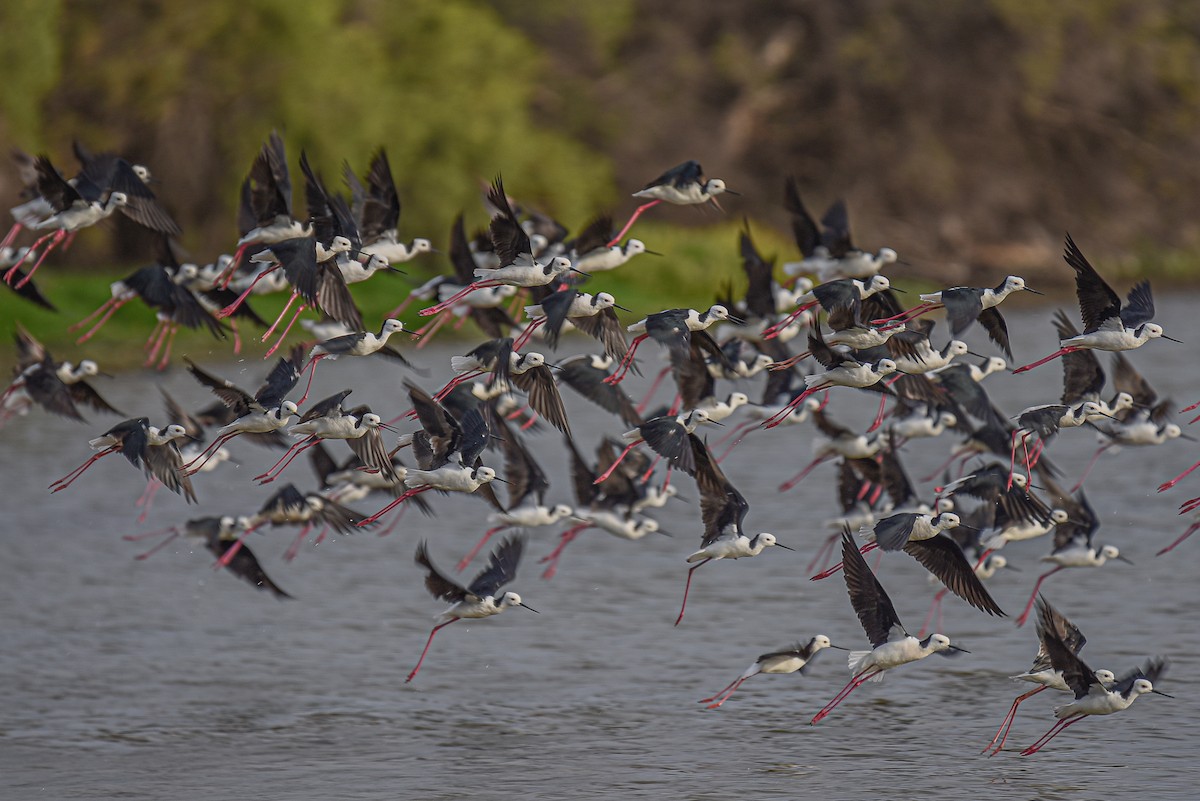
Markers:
(487, 535)
(166, 359)
(147, 499)
(1002, 733)
(935, 606)
(730, 686)
(271, 351)
(1190, 531)
(395, 521)
(854, 684)
(157, 339)
(688, 586)
(192, 467)
(174, 532)
(1050, 358)
(907, 314)
(393, 505)
(878, 421)
(294, 548)
(1087, 471)
(613, 467)
(428, 643)
(111, 310)
(1025, 615)
(224, 278)
(726, 696)
(69, 478)
(232, 550)
(267, 334)
(944, 465)
(1167, 485)
(641, 407)
(457, 296)
(533, 325)
(632, 219)
(1057, 729)
(92, 316)
(783, 413)
(232, 307)
(29, 275)
(619, 374)
(311, 442)
(154, 337)
(824, 551)
(283, 459)
(566, 538)
(312, 372)
(454, 382)
(16, 229)
(796, 479)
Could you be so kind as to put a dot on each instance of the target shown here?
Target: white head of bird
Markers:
(937, 642)
(887, 256)
(509, 599)
(946, 520)
(561, 511)
(315, 502)
(559, 264)
(696, 417)
(603, 300)
(718, 312)
(878, 283)
(173, 431)
(714, 186)
(483, 475)
(88, 367)
(1122, 402)
(392, 326)
(764, 540)
(371, 420)
(1110, 552)
(947, 419)
(287, 409)
(531, 360)
(118, 200)
(1013, 283)
(885, 366)
(340, 244)
(957, 348)
(737, 399)
(422, 245)
(1172, 431)
(820, 641)
(634, 247)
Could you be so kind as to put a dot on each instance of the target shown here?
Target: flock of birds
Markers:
(523, 281)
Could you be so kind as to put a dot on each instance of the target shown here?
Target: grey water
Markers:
(166, 679)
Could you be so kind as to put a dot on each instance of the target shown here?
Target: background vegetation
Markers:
(968, 134)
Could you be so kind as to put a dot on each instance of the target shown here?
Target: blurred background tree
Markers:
(968, 134)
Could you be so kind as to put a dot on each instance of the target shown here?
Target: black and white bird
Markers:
(480, 598)
(789, 660)
(891, 644)
(1091, 696)
(674, 329)
(1107, 324)
(448, 453)
(527, 487)
(360, 343)
(723, 511)
(965, 305)
(1074, 545)
(1043, 673)
(220, 535)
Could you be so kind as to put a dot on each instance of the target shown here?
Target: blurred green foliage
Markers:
(193, 89)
